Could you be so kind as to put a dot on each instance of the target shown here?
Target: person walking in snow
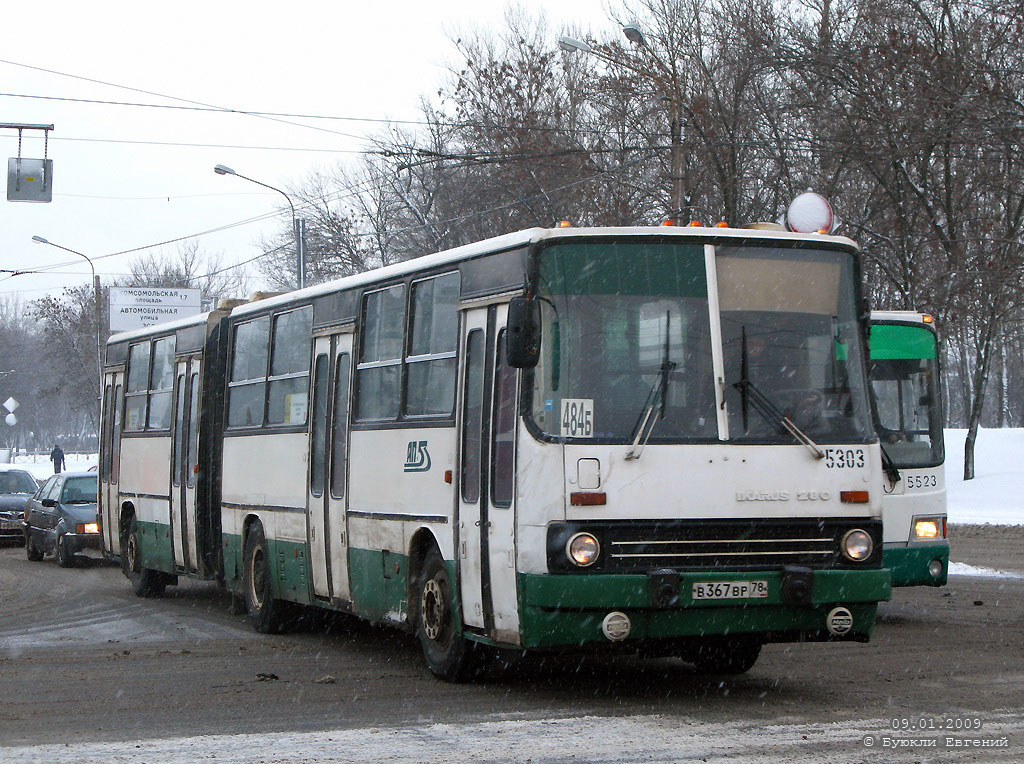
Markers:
(57, 457)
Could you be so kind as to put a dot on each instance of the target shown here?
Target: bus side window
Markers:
(380, 358)
(288, 395)
(247, 388)
(431, 362)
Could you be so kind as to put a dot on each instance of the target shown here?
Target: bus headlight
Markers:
(583, 549)
(857, 545)
(927, 528)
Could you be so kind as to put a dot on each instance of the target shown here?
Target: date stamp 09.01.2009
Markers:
(966, 732)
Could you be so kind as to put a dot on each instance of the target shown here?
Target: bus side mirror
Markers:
(523, 333)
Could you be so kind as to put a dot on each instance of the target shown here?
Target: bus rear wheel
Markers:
(725, 655)
(145, 582)
(268, 615)
(447, 652)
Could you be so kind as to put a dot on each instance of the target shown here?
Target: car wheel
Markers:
(726, 655)
(447, 652)
(268, 615)
(33, 553)
(65, 557)
(145, 581)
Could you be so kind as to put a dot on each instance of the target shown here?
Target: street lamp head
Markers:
(223, 170)
(634, 34)
(40, 239)
(571, 44)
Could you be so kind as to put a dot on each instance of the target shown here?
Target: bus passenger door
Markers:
(328, 467)
(183, 479)
(486, 519)
(110, 458)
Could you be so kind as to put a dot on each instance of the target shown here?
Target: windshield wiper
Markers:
(645, 424)
(891, 471)
(752, 395)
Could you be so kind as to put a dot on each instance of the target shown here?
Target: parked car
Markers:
(16, 487)
(61, 519)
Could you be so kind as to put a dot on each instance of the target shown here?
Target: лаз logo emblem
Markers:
(417, 458)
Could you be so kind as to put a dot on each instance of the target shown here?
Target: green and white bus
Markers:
(905, 384)
(650, 439)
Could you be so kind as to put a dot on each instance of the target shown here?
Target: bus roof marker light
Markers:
(810, 213)
(668, 222)
(564, 224)
(721, 224)
(695, 224)
(926, 319)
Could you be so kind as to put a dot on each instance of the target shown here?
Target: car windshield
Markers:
(79, 490)
(17, 481)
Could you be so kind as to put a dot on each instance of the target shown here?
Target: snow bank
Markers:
(994, 496)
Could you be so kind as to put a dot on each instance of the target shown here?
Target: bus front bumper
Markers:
(912, 565)
(568, 610)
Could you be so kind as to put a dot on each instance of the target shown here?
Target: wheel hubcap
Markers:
(432, 605)
(257, 577)
(133, 553)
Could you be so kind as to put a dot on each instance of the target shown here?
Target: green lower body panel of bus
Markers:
(910, 565)
(156, 546)
(568, 610)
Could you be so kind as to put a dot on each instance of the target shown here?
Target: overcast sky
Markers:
(116, 190)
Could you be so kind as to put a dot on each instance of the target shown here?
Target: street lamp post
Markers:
(680, 212)
(99, 314)
(298, 226)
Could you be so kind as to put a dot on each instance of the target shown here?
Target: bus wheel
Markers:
(447, 652)
(268, 615)
(145, 581)
(725, 655)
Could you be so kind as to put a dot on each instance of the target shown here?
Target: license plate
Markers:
(10, 524)
(730, 590)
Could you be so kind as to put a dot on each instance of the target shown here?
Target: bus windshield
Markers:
(627, 338)
(904, 381)
(790, 336)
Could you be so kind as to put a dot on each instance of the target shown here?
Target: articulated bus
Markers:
(905, 384)
(657, 440)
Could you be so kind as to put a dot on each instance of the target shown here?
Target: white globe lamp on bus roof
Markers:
(810, 213)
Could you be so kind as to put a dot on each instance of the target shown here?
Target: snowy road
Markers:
(179, 680)
(594, 740)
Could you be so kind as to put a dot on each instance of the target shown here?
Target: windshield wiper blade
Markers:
(773, 414)
(891, 471)
(645, 425)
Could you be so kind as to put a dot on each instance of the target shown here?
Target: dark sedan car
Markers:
(61, 518)
(16, 486)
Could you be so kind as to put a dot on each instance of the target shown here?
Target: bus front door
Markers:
(486, 496)
(327, 498)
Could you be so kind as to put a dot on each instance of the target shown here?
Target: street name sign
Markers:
(139, 307)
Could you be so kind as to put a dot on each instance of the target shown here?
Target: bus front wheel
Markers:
(447, 652)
